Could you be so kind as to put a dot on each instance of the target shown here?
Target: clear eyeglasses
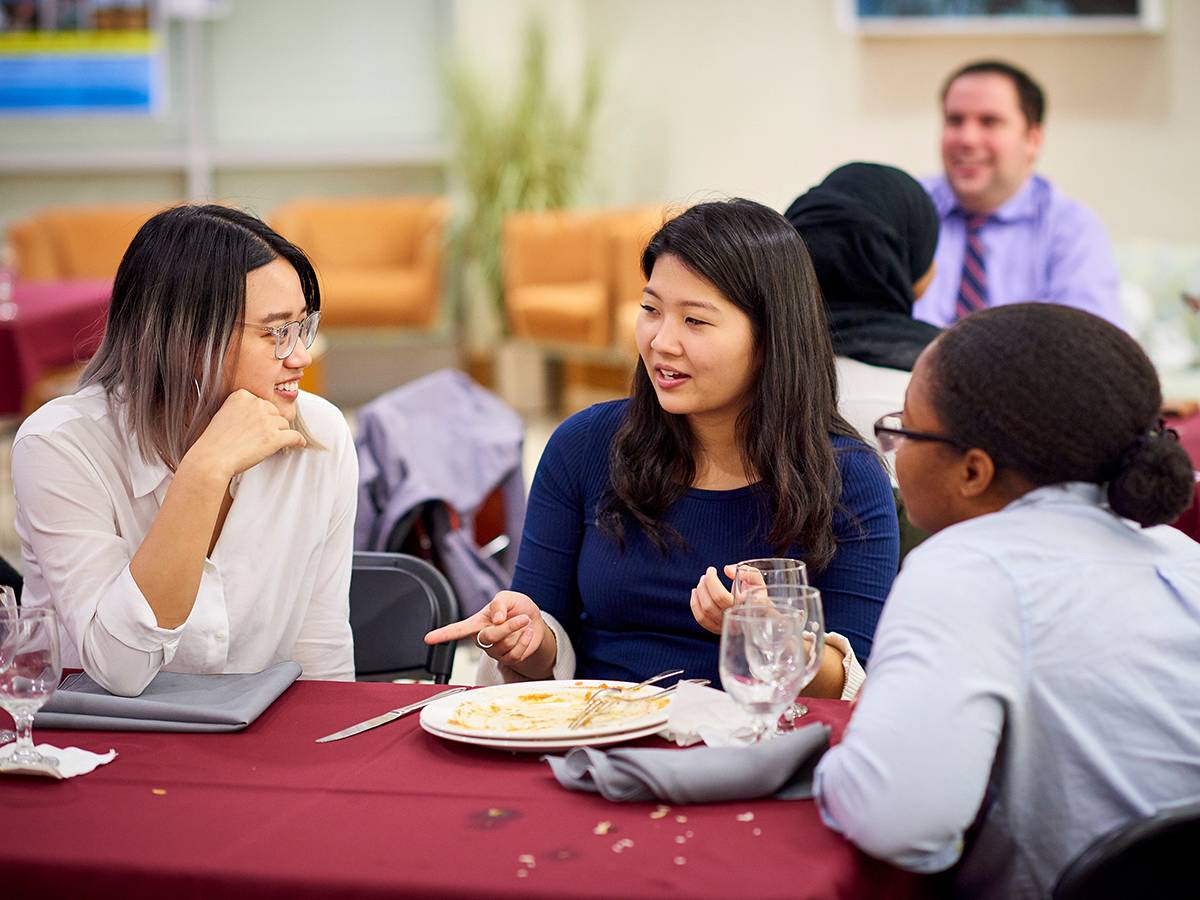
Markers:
(287, 334)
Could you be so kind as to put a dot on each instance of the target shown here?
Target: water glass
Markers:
(763, 660)
(8, 601)
(32, 670)
(780, 570)
(807, 601)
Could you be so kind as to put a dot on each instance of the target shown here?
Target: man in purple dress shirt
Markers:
(1008, 235)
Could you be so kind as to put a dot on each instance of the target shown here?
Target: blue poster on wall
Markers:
(59, 57)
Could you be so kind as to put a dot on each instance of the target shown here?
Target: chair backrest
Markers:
(1135, 857)
(362, 233)
(394, 600)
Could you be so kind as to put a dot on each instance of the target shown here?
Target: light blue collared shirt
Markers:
(1040, 667)
(1039, 246)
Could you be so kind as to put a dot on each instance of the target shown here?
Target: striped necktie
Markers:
(972, 291)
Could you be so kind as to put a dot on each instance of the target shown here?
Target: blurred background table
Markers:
(393, 812)
(54, 328)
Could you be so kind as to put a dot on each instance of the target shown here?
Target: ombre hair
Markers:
(178, 301)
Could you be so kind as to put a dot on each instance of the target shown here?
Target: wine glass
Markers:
(806, 600)
(31, 676)
(8, 601)
(763, 659)
(768, 572)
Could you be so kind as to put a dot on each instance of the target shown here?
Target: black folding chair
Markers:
(1135, 858)
(10, 577)
(394, 600)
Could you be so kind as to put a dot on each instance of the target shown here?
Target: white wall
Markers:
(278, 77)
(762, 98)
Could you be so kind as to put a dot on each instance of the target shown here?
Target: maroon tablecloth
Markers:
(1188, 429)
(58, 323)
(395, 812)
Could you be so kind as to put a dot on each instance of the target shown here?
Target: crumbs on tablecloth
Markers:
(679, 839)
(522, 873)
(527, 860)
(603, 827)
(660, 812)
(745, 817)
(680, 860)
(158, 792)
(756, 832)
(622, 844)
(492, 817)
(681, 819)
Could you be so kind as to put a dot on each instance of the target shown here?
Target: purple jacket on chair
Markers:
(441, 437)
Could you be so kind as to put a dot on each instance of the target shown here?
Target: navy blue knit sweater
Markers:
(628, 612)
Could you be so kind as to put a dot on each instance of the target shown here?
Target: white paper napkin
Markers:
(699, 713)
(69, 761)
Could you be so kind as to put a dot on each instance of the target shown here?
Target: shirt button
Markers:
(220, 635)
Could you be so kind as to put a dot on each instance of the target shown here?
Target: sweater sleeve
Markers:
(857, 580)
(548, 561)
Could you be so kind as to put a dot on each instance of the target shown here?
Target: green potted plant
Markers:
(526, 151)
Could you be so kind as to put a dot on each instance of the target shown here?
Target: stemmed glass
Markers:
(763, 659)
(768, 573)
(8, 601)
(31, 676)
(807, 601)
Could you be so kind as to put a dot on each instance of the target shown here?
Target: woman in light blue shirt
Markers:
(1033, 682)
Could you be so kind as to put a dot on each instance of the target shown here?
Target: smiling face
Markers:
(988, 147)
(697, 346)
(273, 297)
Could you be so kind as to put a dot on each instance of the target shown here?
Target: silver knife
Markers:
(389, 716)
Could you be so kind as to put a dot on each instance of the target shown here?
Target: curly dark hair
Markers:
(1057, 394)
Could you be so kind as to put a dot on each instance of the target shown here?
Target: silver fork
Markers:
(593, 707)
(597, 699)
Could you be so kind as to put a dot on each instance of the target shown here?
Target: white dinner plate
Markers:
(550, 745)
(439, 716)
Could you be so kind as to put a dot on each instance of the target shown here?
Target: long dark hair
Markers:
(179, 295)
(755, 259)
(1056, 395)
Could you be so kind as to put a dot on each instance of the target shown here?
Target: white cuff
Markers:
(852, 670)
(490, 672)
(124, 613)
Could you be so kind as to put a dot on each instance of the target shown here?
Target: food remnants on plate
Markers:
(554, 709)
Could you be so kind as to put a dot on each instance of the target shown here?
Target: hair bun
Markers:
(1154, 482)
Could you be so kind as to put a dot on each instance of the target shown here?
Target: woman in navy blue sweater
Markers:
(729, 447)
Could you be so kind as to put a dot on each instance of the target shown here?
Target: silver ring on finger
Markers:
(480, 644)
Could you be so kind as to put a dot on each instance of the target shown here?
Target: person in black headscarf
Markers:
(871, 231)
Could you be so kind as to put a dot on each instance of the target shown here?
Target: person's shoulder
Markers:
(597, 422)
(88, 405)
(324, 421)
(865, 481)
(1062, 211)
(940, 192)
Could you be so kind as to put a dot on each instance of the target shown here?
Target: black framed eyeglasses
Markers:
(287, 334)
(889, 431)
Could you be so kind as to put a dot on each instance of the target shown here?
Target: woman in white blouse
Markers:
(190, 509)
(1033, 682)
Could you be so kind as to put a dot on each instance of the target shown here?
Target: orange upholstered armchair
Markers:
(575, 277)
(379, 260)
(69, 242)
(556, 266)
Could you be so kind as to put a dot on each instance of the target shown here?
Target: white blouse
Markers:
(276, 586)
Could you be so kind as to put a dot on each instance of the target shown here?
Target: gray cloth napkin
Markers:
(782, 766)
(171, 702)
